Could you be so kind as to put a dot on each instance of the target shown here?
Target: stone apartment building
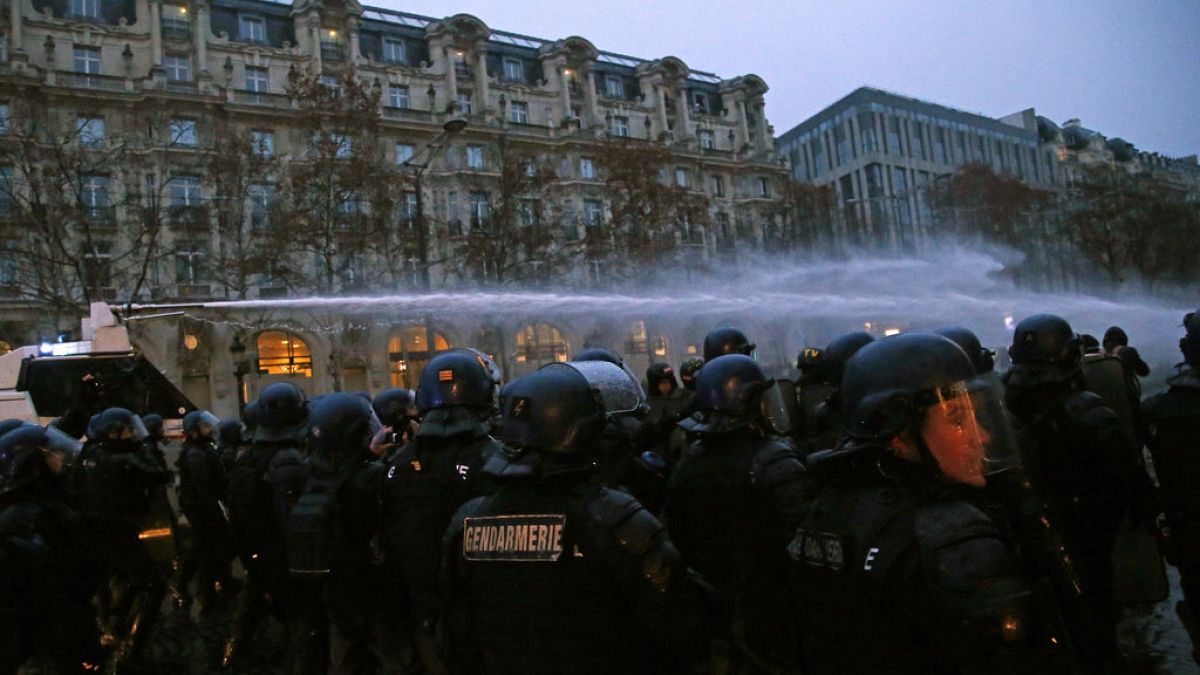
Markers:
(177, 75)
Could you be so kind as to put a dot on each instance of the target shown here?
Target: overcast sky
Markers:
(1129, 69)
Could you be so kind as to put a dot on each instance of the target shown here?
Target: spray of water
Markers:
(812, 300)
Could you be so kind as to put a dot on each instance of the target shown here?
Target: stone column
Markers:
(684, 119)
(314, 39)
(661, 89)
(565, 83)
(765, 142)
(482, 77)
(593, 101)
(156, 48)
(451, 76)
(201, 43)
(743, 129)
(14, 20)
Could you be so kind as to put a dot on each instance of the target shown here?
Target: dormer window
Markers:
(252, 29)
(514, 69)
(85, 9)
(700, 102)
(393, 51)
(614, 86)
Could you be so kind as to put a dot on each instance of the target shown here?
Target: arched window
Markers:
(541, 343)
(282, 353)
(408, 352)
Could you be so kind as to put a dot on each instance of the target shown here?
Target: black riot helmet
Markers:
(723, 341)
(458, 377)
(341, 427)
(838, 352)
(688, 370)
(660, 371)
(1044, 349)
(154, 427)
(392, 406)
(119, 426)
(1189, 344)
(561, 408)
(600, 354)
(30, 452)
(811, 364)
(10, 424)
(729, 392)
(281, 414)
(982, 358)
(921, 391)
(1114, 337)
(200, 425)
(231, 432)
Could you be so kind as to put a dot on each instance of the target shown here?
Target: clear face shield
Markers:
(206, 425)
(134, 430)
(61, 449)
(619, 390)
(966, 429)
(779, 406)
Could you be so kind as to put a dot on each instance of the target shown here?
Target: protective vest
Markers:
(264, 484)
(927, 586)
(548, 577)
(1172, 421)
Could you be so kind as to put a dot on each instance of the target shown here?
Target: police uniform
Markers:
(562, 575)
(903, 579)
(202, 488)
(1172, 421)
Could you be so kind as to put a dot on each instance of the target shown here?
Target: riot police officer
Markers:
(668, 403)
(982, 358)
(731, 501)
(430, 477)
(826, 423)
(625, 463)
(118, 483)
(155, 438)
(721, 341)
(264, 484)
(232, 440)
(202, 491)
(48, 563)
(555, 573)
(329, 537)
(397, 408)
(1081, 463)
(890, 551)
(688, 370)
(1172, 421)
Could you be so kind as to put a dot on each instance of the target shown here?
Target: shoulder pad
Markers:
(287, 457)
(1090, 409)
(458, 521)
(775, 461)
(942, 524)
(621, 515)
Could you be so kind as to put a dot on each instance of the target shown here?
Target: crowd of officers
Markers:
(921, 514)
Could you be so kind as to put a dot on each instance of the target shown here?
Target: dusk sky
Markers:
(1127, 69)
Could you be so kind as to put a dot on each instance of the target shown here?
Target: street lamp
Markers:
(241, 368)
(450, 126)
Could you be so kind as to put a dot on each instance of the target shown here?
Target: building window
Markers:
(252, 29)
(185, 191)
(475, 157)
(681, 176)
(820, 165)
(256, 79)
(842, 145)
(899, 180)
(593, 212)
(178, 67)
(587, 168)
(91, 131)
(85, 9)
(409, 350)
(393, 52)
(183, 133)
(349, 206)
(892, 133)
(344, 146)
(700, 102)
(707, 139)
(397, 96)
(404, 152)
(614, 86)
(93, 197)
(97, 268)
(5, 118)
(620, 126)
(262, 200)
(518, 112)
(939, 146)
(87, 60)
(866, 132)
(917, 141)
(262, 143)
(408, 207)
(189, 263)
(480, 210)
(514, 69)
(716, 185)
(528, 209)
(281, 353)
(764, 187)
(463, 101)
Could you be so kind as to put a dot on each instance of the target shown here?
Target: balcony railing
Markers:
(80, 16)
(90, 81)
(405, 113)
(176, 29)
(261, 98)
(332, 51)
(463, 72)
(186, 214)
(182, 87)
(99, 215)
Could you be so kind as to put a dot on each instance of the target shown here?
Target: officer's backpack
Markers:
(312, 528)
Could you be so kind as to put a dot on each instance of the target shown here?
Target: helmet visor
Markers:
(132, 430)
(779, 406)
(618, 390)
(967, 431)
(207, 425)
(66, 447)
